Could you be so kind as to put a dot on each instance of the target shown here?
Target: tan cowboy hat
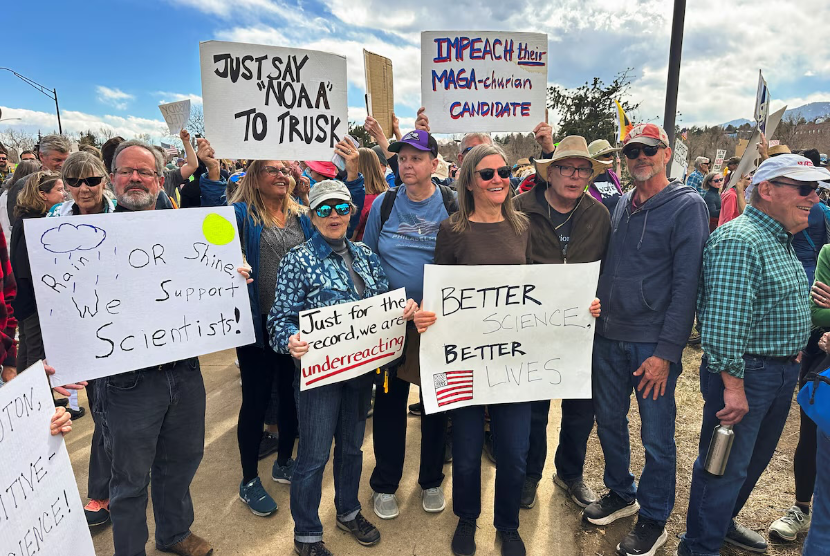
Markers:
(778, 149)
(601, 147)
(572, 146)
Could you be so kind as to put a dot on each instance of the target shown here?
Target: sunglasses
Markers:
(717, 180)
(633, 153)
(273, 170)
(324, 211)
(488, 173)
(91, 181)
(804, 189)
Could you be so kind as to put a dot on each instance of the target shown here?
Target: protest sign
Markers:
(176, 115)
(680, 160)
(507, 334)
(483, 81)
(721, 154)
(774, 143)
(262, 102)
(351, 339)
(761, 112)
(40, 508)
(749, 155)
(380, 98)
(120, 292)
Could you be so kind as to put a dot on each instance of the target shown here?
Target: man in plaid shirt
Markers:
(754, 311)
(695, 179)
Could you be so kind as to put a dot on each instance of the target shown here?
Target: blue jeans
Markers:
(337, 411)
(575, 428)
(613, 381)
(510, 425)
(715, 501)
(818, 539)
(154, 424)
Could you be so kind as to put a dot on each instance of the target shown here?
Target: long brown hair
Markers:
(369, 165)
(29, 200)
(248, 192)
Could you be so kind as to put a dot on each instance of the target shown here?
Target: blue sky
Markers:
(113, 62)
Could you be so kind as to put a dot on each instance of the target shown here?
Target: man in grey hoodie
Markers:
(648, 287)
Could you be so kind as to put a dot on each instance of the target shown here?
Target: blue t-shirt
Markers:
(407, 241)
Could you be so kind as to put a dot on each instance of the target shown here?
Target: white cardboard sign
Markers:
(120, 292)
(262, 102)
(351, 339)
(483, 80)
(507, 334)
(721, 154)
(176, 115)
(40, 508)
(680, 160)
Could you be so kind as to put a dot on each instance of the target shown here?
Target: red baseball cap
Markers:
(323, 168)
(647, 134)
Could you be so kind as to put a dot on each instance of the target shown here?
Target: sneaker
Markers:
(488, 446)
(609, 509)
(694, 340)
(282, 473)
(580, 493)
(528, 499)
(76, 414)
(268, 444)
(97, 512)
(258, 500)
(464, 538)
(788, 527)
(511, 543)
(360, 528)
(644, 540)
(416, 409)
(386, 505)
(448, 450)
(682, 549)
(745, 538)
(190, 546)
(61, 402)
(311, 549)
(432, 499)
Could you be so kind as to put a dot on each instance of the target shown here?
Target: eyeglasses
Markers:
(324, 211)
(465, 151)
(568, 171)
(91, 181)
(633, 153)
(804, 189)
(489, 173)
(143, 173)
(717, 180)
(273, 170)
(605, 157)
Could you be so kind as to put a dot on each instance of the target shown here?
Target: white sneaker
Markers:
(432, 499)
(789, 526)
(386, 505)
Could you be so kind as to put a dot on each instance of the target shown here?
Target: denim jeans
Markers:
(818, 539)
(714, 501)
(613, 382)
(336, 411)
(154, 425)
(100, 465)
(575, 428)
(510, 425)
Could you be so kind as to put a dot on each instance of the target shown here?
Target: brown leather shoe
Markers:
(190, 546)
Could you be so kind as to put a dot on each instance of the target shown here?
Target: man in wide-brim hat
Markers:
(606, 186)
(566, 224)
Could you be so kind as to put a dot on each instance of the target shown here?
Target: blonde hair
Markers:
(29, 199)
(460, 220)
(369, 165)
(248, 192)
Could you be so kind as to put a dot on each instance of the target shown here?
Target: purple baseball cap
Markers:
(418, 139)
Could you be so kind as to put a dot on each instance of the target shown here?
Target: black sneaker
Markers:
(268, 444)
(488, 446)
(61, 402)
(644, 540)
(464, 538)
(365, 533)
(511, 543)
(609, 509)
(76, 414)
(745, 538)
(416, 409)
(528, 499)
(311, 549)
(580, 493)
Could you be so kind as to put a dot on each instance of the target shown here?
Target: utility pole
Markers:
(674, 68)
(52, 94)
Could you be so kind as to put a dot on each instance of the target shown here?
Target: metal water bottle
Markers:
(719, 449)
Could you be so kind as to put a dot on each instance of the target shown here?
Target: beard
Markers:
(645, 173)
(137, 196)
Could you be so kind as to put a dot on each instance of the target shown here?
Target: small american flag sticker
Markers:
(453, 387)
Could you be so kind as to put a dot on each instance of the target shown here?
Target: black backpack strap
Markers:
(386, 206)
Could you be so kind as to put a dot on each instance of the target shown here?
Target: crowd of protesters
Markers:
(745, 256)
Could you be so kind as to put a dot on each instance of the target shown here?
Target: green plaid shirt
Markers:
(753, 293)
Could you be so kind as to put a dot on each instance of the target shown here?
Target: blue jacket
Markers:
(311, 275)
(807, 243)
(648, 285)
(213, 195)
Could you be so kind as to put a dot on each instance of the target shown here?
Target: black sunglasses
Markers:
(488, 173)
(633, 153)
(92, 181)
(323, 211)
(804, 189)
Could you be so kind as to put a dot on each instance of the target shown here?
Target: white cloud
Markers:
(114, 97)
(165, 97)
(32, 121)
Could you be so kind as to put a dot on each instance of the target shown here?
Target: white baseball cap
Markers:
(792, 166)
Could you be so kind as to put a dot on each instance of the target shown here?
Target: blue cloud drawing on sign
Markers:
(69, 237)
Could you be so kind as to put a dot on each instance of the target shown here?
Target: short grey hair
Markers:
(54, 143)
(136, 143)
(754, 195)
(483, 137)
(700, 160)
(83, 164)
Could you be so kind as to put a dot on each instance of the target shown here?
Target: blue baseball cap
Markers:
(418, 139)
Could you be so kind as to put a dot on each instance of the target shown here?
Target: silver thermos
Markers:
(719, 449)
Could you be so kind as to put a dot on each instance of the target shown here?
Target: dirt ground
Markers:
(552, 528)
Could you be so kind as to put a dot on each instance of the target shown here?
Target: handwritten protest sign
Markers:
(266, 101)
(762, 98)
(380, 98)
(40, 508)
(351, 339)
(483, 81)
(176, 115)
(750, 156)
(719, 156)
(507, 334)
(119, 292)
(680, 160)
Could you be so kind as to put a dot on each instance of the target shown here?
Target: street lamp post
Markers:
(52, 94)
